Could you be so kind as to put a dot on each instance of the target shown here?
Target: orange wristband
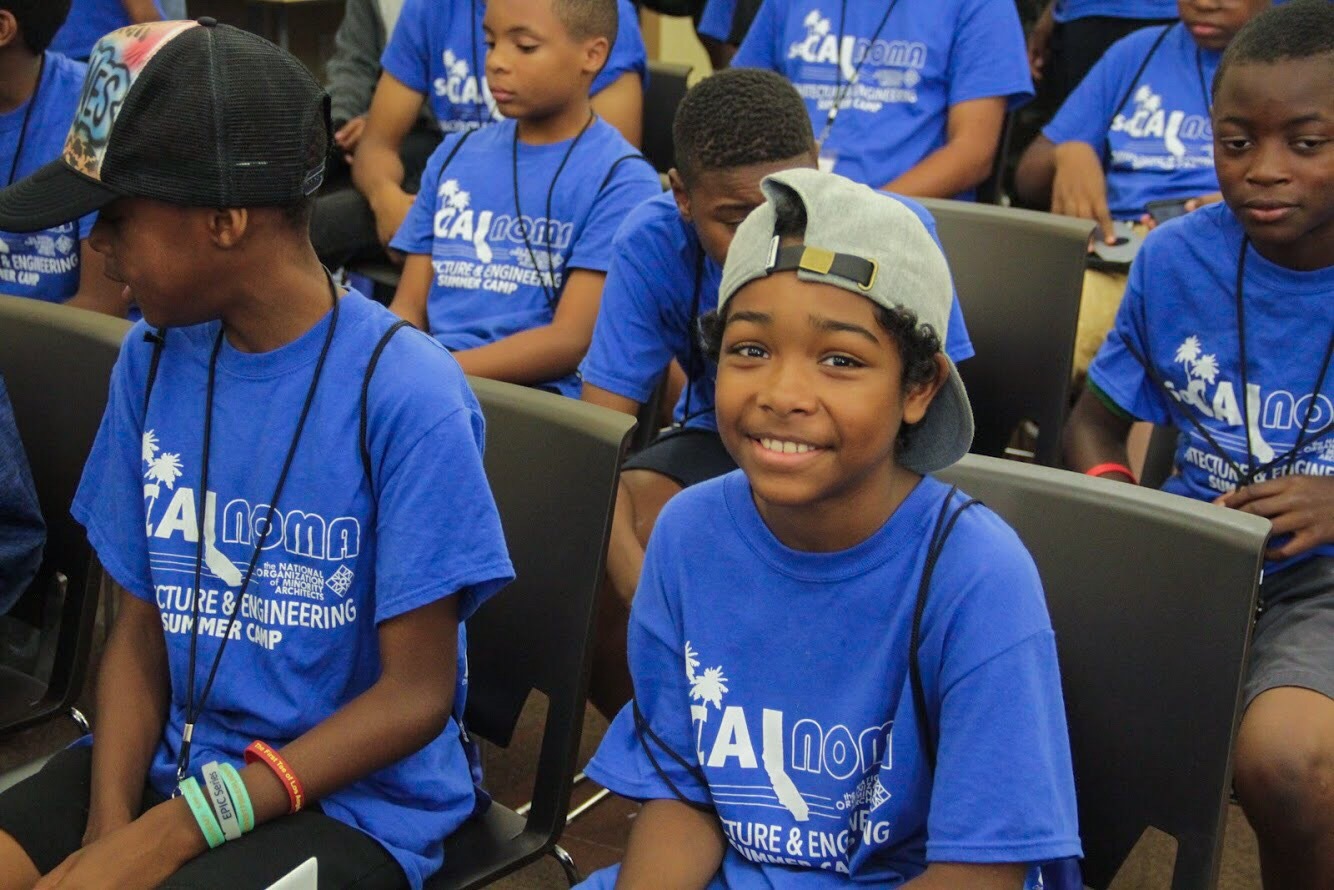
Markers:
(259, 752)
(1111, 467)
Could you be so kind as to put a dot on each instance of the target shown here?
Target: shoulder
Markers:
(1135, 46)
(923, 215)
(655, 221)
(612, 148)
(1191, 236)
(66, 71)
(690, 519)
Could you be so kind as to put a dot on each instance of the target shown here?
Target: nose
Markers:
(1269, 163)
(496, 60)
(788, 387)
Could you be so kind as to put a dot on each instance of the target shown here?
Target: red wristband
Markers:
(259, 752)
(1104, 469)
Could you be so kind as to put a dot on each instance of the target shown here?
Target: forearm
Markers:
(141, 11)
(596, 395)
(952, 875)
(659, 835)
(532, 356)
(1094, 435)
(1037, 168)
(955, 167)
(377, 169)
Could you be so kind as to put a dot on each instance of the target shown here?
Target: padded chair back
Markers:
(553, 464)
(666, 89)
(1018, 274)
(1152, 598)
(57, 363)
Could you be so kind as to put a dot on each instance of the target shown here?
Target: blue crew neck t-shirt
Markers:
(929, 56)
(88, 20)
(1179, 315)
(44, 264)
(755, 665)
(651, 301)
(716, 20)
(499, 271)
(1160, 138)
(437, 49)
(342, 554)
(1069, 10)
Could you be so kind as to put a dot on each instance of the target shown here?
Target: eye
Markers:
(842, 361)
(748, 350)
(527, 48)
(1309, 143)
(1234, 143)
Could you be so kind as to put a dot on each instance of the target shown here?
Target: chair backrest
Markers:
(1152, 598)
(1018, 274)
(666, 88)
(57, 363)
(553, 465)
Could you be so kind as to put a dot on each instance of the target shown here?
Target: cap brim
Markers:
(53, 195)
(946, 432)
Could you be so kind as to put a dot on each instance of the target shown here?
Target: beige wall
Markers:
(672, 39)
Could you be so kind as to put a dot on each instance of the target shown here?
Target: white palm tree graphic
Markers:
(708, 687)
(150, 446)
(166, 470)
(1188, 351)
(1205, 368)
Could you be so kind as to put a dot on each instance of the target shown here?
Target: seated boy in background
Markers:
(90, 19)
(730, 131)
(509, 239)
(436, 56)
(1135, 131)
(1226, 333)
(39, 93)
(905, 95)
(785, 732)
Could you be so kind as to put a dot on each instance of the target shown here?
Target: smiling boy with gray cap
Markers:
(866, 651)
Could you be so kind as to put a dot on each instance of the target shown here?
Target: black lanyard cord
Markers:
(27, 115)
(193, 709)
(552, 292)
(841, 89)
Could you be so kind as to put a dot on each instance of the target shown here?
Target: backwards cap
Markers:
(867, 242)
(191, 113)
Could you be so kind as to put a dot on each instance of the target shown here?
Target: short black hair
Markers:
(589, 18)
(39, 20)
(739, 117)
(1298, 29)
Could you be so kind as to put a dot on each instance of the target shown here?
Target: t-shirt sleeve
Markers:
(109, 502)
(86, 224)
(628, 55)
(623, 762)
(989, 56)
(629, 349)
(1115, 370)
(407, 56)
(22, 530)
(1087, 112)
(760, 48)
(632, 183)
(1004, 785)
(417, 233)
(716, 22)
(958, 345)
(437, 526)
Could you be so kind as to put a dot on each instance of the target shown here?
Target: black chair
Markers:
(57, 363)
(666, 88)
(1019, 274)
(1152, 597)
(553, 463)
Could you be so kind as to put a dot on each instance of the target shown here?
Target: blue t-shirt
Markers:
(651, 300)
(22, 530)
(930, 56)
(499, 272)
(1068, 10)
(716, 20)
(43, 264)
(438, 50)
(1178, 314)
(1161, 139)
(88, 21)
(814, 762)
(341, 556)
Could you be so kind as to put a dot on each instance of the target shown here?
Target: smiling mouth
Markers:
(784, 446)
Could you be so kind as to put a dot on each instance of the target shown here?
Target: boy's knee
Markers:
(1284, 764)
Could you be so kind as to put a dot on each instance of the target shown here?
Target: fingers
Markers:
(1148, 222)
(1104, 217)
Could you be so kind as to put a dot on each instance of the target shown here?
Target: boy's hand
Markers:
(142, 854)
(390, 206)
(101, 824)
(1079, 187)
(349, 134)
(1300, 506)
(1039, 43)
(1192, 204)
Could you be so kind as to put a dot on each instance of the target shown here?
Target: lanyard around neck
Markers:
(841, 90)
(27, 116)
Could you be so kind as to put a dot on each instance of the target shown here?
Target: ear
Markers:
(919, 398)
(680, 194)
(228, 226)
(595, 51)
(9, 28)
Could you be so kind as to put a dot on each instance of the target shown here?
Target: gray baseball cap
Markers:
(867, 242)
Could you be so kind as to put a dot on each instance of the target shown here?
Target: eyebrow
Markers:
(1312, 118)
(832, 325)
(749, 315)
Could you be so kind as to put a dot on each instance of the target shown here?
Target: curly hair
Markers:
(39, 20)
(1298, 29)
(739, 117)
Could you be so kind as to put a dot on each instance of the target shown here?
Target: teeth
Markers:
(781, 446)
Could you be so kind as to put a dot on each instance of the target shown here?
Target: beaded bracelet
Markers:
(220, 796)
(240, 797)
(259, 752)
(208, 823)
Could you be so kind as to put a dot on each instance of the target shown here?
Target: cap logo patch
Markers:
(115, 63)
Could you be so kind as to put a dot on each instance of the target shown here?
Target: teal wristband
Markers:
(208, 823)
(240, 796)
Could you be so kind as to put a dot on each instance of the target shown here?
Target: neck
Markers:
(279, 306)
(18, 77)
(1312, 251)
(559, 126)
(841, 522)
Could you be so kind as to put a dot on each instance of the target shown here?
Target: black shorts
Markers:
(684, 455)
(48, 812)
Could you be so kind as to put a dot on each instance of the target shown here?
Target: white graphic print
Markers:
(459, 87)
(883, 72)
(280, 592)
(1150, 125)
(26, 259)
